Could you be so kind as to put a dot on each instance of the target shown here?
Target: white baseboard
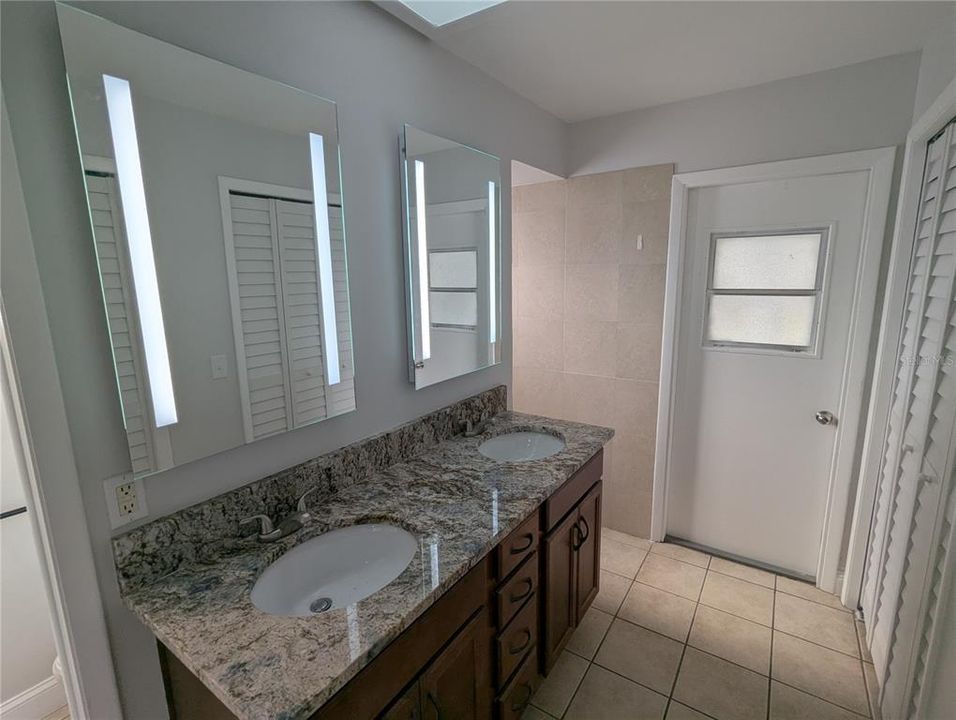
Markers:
(36, 702)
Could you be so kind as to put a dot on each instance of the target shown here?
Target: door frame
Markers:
(878, 163)
(934, 119)
(54, 496)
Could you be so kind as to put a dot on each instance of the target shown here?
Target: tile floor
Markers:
(681, 635)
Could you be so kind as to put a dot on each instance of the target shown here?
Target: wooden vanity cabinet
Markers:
(455, 683)
(571, 557)
(480, 651)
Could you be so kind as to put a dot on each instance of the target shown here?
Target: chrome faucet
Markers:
(268, 532)
(473, 429)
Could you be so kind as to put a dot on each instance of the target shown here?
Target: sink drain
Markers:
(320, 605)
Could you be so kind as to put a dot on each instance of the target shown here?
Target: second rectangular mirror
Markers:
(452, 251)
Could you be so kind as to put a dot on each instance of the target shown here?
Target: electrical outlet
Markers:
(125, 499)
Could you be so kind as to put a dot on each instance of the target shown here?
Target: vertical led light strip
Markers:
(492, 266)
(323, 249)
(129, 173)
(424, 313)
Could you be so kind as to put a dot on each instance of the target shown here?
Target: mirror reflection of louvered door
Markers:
(274, 278)
(912, 533)
(113, 263)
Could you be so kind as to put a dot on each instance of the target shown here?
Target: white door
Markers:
(766, 312)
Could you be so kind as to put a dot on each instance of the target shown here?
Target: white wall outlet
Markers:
(125, 499)
(218, 365)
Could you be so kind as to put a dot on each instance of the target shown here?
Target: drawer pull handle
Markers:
(523, 703)
(524, 646)
(518, 550)
(587, 530)
(517, 598)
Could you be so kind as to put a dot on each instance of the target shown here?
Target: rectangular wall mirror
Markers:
(216, 205)
(452, 253)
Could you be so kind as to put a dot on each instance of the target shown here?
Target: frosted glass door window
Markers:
(767, 261)
(454, 269)
(456, 309)
(453, 285)
(764, 290)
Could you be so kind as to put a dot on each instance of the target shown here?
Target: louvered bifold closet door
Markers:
(113, 265)
(259, 318)
(302, 308)
(910, 537)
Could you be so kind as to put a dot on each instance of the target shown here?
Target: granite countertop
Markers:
(456, 502)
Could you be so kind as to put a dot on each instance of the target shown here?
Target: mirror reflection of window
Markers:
(453, 289)
(451, 231)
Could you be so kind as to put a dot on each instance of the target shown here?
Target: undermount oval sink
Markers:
(334, 570)
(521, 446)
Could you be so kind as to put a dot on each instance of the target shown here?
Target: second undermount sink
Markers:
(334, 570)
(521, 446)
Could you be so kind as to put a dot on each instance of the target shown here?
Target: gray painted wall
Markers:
(856, 107)
(381, 74)
(937, 67)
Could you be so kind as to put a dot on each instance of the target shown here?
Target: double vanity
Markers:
(441, 585)
(435, 570)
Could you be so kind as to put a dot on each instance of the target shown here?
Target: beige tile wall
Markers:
(588, 275)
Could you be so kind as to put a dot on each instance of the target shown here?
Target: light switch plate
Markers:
(218, 366)
(125, 499)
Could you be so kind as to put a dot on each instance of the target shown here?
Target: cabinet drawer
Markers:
(518, 545)
(515, 699)
(567, 496)
(517, 640)
(511, 596)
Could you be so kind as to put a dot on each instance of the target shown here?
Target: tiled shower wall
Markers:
(588, 288)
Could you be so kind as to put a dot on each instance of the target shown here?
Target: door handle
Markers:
(825, 417)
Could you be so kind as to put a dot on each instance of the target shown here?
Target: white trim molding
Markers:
(878, 163)
(929, 124)
(39, 701)
(63, 539)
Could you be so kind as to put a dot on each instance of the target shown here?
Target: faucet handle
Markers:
(300, 506)
(265, 523)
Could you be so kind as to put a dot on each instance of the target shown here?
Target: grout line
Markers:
(821, 699)
(816, 602)
(766, 587)
(819, 645)
(683, 652)
(773, 621)
(866, 684)
(741, 617)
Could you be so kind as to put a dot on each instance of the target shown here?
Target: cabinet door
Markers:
(457, 684)
(560, 569)
(408, 706)
(589, 550)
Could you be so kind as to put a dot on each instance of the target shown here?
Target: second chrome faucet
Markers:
(269, 532)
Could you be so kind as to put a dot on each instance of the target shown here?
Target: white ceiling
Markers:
(580, 60)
